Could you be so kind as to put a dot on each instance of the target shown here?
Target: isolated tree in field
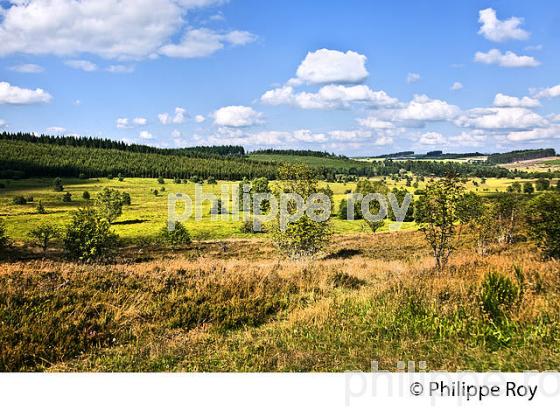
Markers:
(366, 187)
(542, 184)
(515, 187)
(178, 236)
(43, 235)
(86, 195)
(3, 235)
(40, 208)
(437, 212)
(528, 188)
(67, 197)
(88, 237)
(57, 185)
(304, 236)
(509, 209)
(543, 219)
(160, 180)
(109, 203)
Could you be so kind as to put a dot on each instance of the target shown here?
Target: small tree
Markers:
(88, 237)
(43, 235)
(542, 184)
(86, 195)
(160, 180)
(57, 185)
(176, 180)
(303, 237)
(67, 197)
(179, 236)
(3, 235)
(211, 181)
(126, 198)
(109, 203)
(437, 212)
(40, 208)
(19, 200)
(120, 177)
(528, 188)
(543, 218)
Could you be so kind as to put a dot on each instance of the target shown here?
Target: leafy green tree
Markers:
(515, 187)
(303, 237)
(109, 203)
(3, 235)
(126, 200)
(120, 177)
(43, 235)
(211, 181)
(509, 209)
(438, 212)
(67, 197)
(543, 218)
(528, 188)
(179, 236)
(57, 185)
(160, 180)
(19, 200)
(40, 208)
(86, 195)
(88, 237)
(542, 184)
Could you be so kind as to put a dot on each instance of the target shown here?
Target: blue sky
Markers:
(353, 77)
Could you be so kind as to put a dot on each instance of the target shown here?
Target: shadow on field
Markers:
(343, 254)
(129, 222)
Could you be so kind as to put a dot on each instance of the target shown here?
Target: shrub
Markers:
(57, 185)
(498, 296)
(528, 188)
(29, 198)
(126, 198)
(542, 184)
(543, 219)
(178, 236)
(109, 203)
(67, 197)
(120, 177)
(19, 200)
(43, 235)
(211, 181)
(160, 180)
(248, 226)
(3, 235)
(88, 237)
(177, 180)
(40, 208)
(86, 195)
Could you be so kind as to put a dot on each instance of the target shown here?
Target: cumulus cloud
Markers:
(126, 123)
(204, 42)
(422, 108)
(502, 100)
(512, 118)
(10, 94)
(432, 138)
(145, 135)
(535, 134)
(139, 121)
(474, 138)
(237, 116)
(127, 29)
(3, 124)
(83, 65)
(178, 118)
(497, 30)
(328, 97)
(508, 59)
(56, 130)
(412, 78)
(456, 86)
(120, 69)
(199, 118)
(27, 68)
(548, 92)
(331, 66)
(123, 123)
(376, 123)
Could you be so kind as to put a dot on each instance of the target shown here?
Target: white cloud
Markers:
(126, 29)
(474, 138)
(27, 68)
(10, 94)
(548, 92)
(199, 118)
(145, 135)
(178, 118)
(412, 78)
(535, 134)
(237, 116)
(456, 86)
(432, 138)
(331, 66)
(384, 140)
(123, 123)
(204, 42)
(56, 130)
(502, 100)
(120, 69)
(83, 65)
(422, 108)
(350, 135)
(509, 59)
(375, 123)
(139, 121)
(515, 118)
(497, 30)
(328, 97)
(3, 124)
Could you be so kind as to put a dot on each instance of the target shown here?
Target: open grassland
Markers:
(234, 306)
(142, 220)
(535, 165)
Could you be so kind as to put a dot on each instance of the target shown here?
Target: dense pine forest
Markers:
(522, 155)
(26, 155)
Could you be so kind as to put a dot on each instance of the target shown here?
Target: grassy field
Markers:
(148, 213)
(238, 307)
(535, 165)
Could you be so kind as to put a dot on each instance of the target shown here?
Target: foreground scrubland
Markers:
(234, 305)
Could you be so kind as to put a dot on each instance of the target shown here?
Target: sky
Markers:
(350, 77)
